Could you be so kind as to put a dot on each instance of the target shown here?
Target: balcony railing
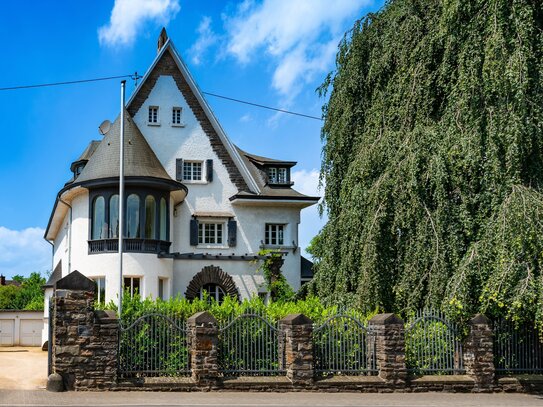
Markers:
(130, 246)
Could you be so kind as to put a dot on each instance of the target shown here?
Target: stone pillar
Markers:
(203, 343)
(389, 335)
(296, 332)
(479, 352)
(84, 349)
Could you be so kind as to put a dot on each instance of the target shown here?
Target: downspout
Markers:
(69, 236)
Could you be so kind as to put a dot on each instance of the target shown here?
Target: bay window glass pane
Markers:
(133, 216)
(114, 216)
(98, 218)
(150, 217)
(163, 220)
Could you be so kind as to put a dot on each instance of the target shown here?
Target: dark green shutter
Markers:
(179, 169)
(232, 233)
(194, 232)
(209, 170)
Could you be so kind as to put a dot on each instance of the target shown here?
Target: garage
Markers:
(21, 328)
(7, 332)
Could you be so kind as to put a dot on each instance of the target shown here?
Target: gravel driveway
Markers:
(22, 368)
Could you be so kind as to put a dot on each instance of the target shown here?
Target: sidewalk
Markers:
(22, 368)
(16, 398)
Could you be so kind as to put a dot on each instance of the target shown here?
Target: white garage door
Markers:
(30, 334)
(7, 331)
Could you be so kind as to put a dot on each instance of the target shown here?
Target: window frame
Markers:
(218, 295)
(99, 288)
(278, 232)
(164, 282)
(151, 122)
(175, 122)
(132, 278)
(192, 164)
(202, 233)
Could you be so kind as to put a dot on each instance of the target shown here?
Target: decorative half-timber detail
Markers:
(211, 275)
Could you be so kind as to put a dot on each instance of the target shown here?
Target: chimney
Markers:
(2, 279)
(162, 38)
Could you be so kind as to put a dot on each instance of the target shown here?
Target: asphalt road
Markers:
(35, 398)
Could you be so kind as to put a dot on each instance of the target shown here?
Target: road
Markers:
(35, 398)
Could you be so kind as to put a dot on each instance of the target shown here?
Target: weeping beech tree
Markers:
(433, 160)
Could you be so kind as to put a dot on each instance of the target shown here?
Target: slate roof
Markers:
(267, 191)
(306, 269)
(55, 276)
(139, 159)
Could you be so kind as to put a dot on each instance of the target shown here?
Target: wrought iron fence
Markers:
(433, 344)
(517, 349)
(251, 345)
(154, 344)
(343, 345)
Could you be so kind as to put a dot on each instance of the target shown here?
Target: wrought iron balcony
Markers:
(130, 246)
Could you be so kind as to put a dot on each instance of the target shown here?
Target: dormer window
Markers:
(176, 116)
(153, 115)
(278, 175)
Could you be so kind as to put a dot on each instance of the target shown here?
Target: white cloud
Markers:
(246, 118)
(23, 251)
(307, 182)
(128, 16)
(206, 38)
(300, 36)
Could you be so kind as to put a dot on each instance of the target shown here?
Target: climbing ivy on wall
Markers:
(433, 160)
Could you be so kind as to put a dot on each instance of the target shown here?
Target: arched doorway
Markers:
(216, 282)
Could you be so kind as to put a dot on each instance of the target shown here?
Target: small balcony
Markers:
(130, 246)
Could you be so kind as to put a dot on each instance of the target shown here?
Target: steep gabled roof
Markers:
(139, 159)
(169, 63)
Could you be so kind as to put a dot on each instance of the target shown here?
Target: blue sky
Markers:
(273, 52)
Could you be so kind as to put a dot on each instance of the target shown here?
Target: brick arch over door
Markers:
(211, 275)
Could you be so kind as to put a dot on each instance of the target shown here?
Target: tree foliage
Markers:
(27, 296)
(433, 160)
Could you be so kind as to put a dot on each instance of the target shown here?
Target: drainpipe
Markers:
(69, 236)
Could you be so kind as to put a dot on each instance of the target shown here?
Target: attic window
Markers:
(176, 116)
(192, 170)
(278, 175)
(153, 115)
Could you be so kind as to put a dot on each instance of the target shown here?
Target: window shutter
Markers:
(232, 233)
(209, 170)
(179, 169)
(194, 232)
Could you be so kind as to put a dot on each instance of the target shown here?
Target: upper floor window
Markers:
(153, 114)
(278, 175)
(99, 218)
(210, 233)
(176, 116)
(133, 216)
(192, 170)
(275, 234)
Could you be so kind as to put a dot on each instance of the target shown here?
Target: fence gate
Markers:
(251, 345)
(433, 344)
(343, 345)
(154, 344)
(517, 349)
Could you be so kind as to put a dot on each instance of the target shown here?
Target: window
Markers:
(274, 234)
(176, 116)
(132, 285)
(132, 216)
(100, 288)
(210, 233)
(153, 115)
(99, 218)
(192, 170)
(114, 216)
(214, 291)
(150, 217)
(277, 175)
(163, 220)
(161, 288)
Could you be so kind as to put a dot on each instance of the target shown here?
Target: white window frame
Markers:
(132, 278)
(268, 230)
(99, 288)
(191, 164)
(282, 175)
(216, 233)
(177, 120)
(216, 295)
(272, 175)
(150, 118)
(164, 282)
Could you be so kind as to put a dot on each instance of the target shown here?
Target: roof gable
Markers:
(169, 63)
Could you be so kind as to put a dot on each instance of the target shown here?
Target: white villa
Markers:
(198, 208)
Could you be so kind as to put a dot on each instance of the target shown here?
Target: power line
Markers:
(135, 77)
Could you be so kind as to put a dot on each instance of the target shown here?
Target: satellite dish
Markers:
(104, 127)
